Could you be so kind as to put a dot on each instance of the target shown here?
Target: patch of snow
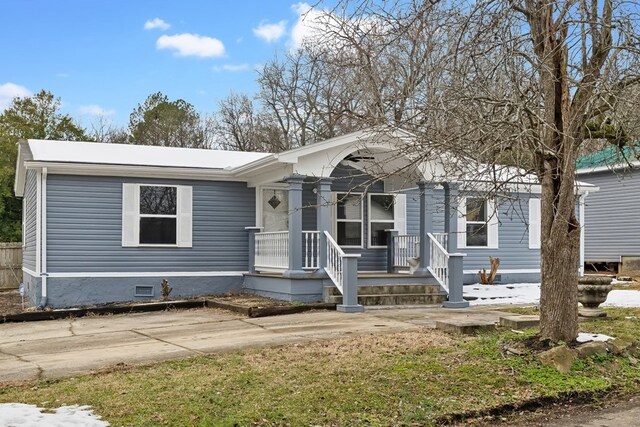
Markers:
(529, 293)
(23, 415)
(584, 337)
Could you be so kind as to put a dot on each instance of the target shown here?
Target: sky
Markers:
(103, 57)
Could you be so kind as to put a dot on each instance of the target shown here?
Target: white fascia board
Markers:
(21, 170)
(135, 171)
(608, 168)
(149, 274)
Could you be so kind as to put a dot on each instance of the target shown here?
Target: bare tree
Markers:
(525, 80)
(103, 130)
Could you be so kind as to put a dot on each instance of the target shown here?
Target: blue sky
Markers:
(104, 57)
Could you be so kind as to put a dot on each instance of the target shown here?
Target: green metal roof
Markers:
(610, 155)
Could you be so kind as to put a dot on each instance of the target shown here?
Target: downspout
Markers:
(582, 224)
(43, 248)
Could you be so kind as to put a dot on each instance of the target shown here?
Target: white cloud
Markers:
(231, 67)
(307, 26)
(156, 23)
(270, 32)
(191, 45)
(8, 91)
(95, 110)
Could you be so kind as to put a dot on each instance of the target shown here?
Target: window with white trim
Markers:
(381, 218)
(156, 215)
(349, 219)
(476, 222)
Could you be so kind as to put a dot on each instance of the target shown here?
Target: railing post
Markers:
(391, 250)
(350, 285)
(426, 224)
(295, 227)
(456, 276)
(252, 247)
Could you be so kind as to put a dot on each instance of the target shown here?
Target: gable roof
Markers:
(611, 156)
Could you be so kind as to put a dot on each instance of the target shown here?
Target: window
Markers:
(476, 222)
(381, 218)
(349, 220)
(156, 215)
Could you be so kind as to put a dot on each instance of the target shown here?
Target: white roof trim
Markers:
(617, 166)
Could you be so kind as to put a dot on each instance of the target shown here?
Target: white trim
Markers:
(24, 223)
(335, 218)
(29, 272)
(491, 222)
(582, 226)
(152, 274)
(535, 223)
(507, 271)
(612, 168)
(38, 219)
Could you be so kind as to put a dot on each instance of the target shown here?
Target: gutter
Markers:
(43, 239)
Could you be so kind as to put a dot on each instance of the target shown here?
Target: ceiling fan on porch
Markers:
(356, 159)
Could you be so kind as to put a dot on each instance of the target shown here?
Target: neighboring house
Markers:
(107, 222)
(612, 234)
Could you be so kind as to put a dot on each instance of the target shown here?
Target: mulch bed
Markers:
(11, 303)
(258, 306)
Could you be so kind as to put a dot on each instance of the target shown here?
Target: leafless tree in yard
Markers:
(527, 82)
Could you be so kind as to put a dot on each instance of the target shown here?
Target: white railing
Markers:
(439, 260)
(405, 247)
(443, 239)
(335, 263)
(310, 249)
(272, 250)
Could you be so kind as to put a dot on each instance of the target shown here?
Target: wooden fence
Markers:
(10, 265)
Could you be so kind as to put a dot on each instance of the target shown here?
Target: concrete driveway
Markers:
(58, 348)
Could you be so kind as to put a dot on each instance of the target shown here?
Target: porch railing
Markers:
(439, 259)
(335, 262)
(405, 246)
(272, 250)
(443, 239)
(310, 249)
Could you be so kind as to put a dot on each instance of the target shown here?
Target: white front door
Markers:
(275, 210)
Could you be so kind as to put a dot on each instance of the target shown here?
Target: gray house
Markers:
(612, 236)
(106, 223)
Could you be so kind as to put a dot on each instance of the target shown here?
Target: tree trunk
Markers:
(560, 254)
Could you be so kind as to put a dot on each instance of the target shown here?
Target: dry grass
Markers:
(406, 378)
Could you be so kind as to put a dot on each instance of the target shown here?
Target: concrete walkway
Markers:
(58, 348)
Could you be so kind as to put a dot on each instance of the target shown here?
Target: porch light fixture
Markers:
(274, 202)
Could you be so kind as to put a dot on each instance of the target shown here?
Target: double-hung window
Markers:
(476, 222)
(381, 218)
(156, 215)
(349, 219)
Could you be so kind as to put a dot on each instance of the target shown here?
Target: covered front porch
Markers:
(339, 219)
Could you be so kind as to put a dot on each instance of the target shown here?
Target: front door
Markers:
(275, 210)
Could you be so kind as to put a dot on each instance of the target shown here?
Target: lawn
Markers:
(409, 378)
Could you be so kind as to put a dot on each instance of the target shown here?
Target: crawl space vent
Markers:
(144, 291)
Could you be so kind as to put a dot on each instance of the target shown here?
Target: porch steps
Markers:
(405, 294)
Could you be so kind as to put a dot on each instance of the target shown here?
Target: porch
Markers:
(307, 265)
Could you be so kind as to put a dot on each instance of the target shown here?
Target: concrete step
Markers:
(394, 299)
(415, 288)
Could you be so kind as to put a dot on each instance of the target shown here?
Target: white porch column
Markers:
(581, 205)
(426, 224)
(295, 227)
(323, 219)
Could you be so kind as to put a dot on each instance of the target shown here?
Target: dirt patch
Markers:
(258, 306)
(11, 303)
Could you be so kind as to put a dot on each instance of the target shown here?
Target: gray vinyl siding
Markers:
(348, 179)
(513, 233)
(84, 225)
(30, 221)
(612, 222)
